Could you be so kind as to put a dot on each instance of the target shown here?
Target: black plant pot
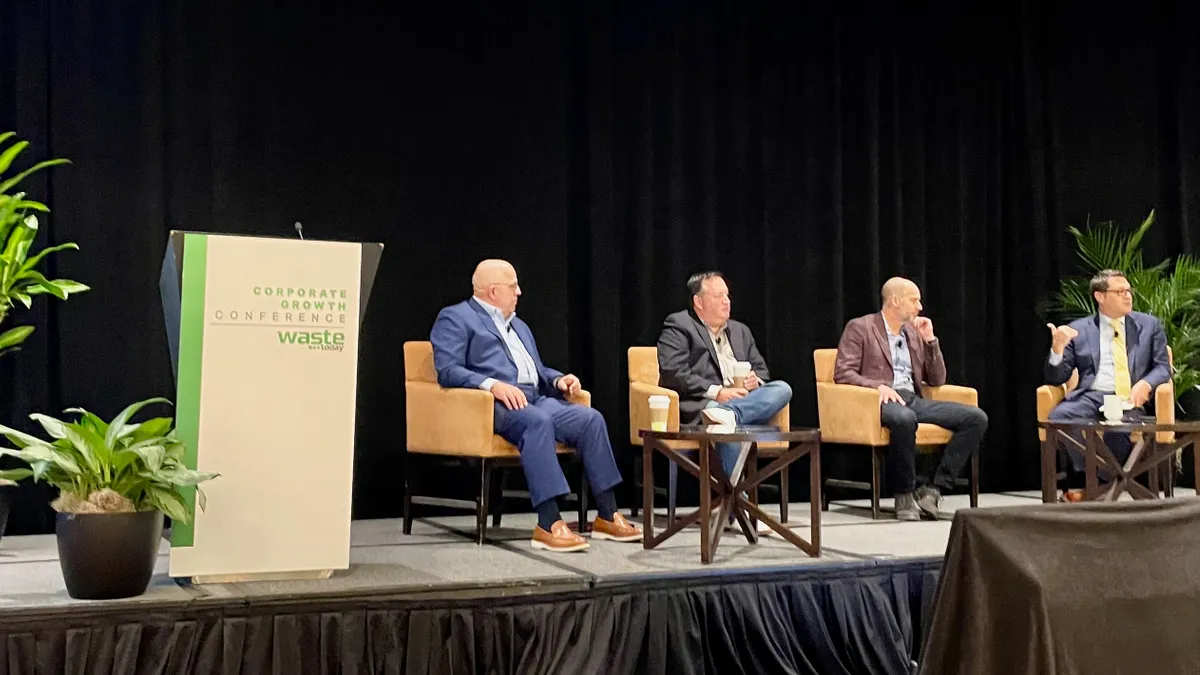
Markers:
(6, 492)
(105, 556)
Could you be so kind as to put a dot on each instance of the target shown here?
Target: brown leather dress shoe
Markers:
(617, 529)
(560, 539)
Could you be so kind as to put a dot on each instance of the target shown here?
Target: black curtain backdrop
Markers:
(608, 150)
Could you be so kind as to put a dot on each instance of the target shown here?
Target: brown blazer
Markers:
(865, 359)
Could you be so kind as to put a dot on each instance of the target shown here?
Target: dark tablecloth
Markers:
(1083, 589)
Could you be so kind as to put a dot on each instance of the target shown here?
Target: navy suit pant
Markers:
(534, 430)
(1086, 408)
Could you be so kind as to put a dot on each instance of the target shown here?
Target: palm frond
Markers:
(1168, 290)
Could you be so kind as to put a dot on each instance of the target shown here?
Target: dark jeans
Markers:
(968, 424)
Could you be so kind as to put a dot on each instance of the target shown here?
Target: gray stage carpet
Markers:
(440, 558)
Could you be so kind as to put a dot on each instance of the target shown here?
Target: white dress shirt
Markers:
(526, 368)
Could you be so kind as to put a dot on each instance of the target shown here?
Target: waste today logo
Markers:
(307, 318)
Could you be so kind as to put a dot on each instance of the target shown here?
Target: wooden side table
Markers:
(1147, 455)
(731, 497)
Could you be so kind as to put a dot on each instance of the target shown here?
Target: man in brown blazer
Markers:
(895, 352)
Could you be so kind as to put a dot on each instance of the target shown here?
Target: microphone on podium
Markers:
(300, 230)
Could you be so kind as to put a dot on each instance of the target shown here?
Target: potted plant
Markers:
(116, 480)
(1169, 292)
(20, 279)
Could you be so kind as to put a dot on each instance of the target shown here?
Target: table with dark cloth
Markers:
(1069, 588)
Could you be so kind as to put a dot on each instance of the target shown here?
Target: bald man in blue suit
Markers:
(480, 343)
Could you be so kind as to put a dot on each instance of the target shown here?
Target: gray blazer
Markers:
(687, 360)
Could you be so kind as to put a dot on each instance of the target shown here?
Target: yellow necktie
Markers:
(1120, 361)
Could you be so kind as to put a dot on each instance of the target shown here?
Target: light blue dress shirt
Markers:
(901, 361)
(526, 368)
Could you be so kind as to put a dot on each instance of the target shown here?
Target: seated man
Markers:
(1117, 351)
(481, 343)
(895, 352)
(698, 350)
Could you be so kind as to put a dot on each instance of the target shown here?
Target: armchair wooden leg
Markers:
(408, 491)
(637, 484)
(583, 498)
(783, 495)
(481, 507)
(975, 480)
(876, 462)
(499, 479)
(672, 485)
(1169, 479)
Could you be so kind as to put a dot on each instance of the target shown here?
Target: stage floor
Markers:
(440, 559)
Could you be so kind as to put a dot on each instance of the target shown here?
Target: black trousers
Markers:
(968, 424)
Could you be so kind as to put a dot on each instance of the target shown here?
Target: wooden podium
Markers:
(264, 334)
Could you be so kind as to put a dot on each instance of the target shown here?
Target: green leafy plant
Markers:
(1166, 290)
(105, 467)
(19, 278)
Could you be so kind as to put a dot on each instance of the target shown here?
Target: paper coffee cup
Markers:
(741, 369)
(660, 407)
(1112, 408)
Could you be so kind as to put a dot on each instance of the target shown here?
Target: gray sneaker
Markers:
(929, 500)
(906, 507)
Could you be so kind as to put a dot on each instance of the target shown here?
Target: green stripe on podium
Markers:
(191, 352)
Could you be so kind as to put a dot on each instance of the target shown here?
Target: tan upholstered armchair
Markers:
(643, 383)
(850, 415)
(1049, 396)
(457, 423)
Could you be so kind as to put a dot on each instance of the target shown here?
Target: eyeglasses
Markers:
(1123, 291)
(719, 296)
(512, 286)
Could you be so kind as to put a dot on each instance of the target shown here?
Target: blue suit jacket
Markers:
(468, 349)
(1145, 342)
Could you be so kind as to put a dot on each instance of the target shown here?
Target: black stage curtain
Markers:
(858, 619)
(608, 150)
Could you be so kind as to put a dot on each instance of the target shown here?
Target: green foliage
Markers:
(142, 462)
(1170, 292)
(19, 278)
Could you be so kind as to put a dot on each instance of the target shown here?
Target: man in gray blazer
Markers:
(697, 352)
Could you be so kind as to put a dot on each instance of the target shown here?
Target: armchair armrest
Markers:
(783, 418)
(639, 408)
(1164, 410)
(849, 414)
(583, 398)
(1048, 396)
(448, 421)
(953, 393)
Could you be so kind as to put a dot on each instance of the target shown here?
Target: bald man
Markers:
(480, 343)
(895, 352)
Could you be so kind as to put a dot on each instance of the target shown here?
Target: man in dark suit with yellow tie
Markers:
(1117, 351)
